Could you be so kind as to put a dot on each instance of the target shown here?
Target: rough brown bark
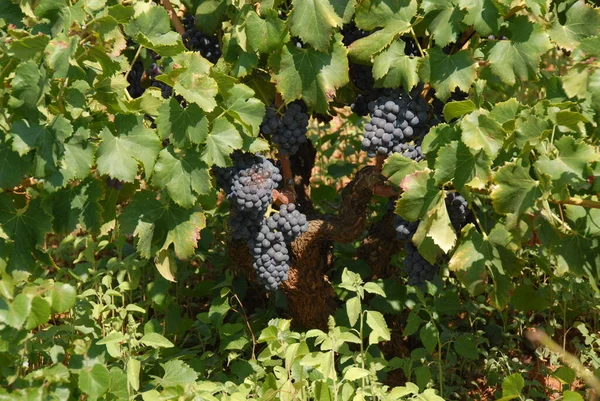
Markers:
(380, 245)
(310, 295)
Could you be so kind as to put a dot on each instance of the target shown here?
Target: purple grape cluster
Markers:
(195, 40)
(458, 210)
(417, 267)
(288, 131)
(288, 221)
(399, 121)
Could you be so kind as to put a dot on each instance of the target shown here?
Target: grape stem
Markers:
(379, 160)
(173, 16)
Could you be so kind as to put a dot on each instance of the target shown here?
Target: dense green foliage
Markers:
(115, 280)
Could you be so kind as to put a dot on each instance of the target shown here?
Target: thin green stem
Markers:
(412, 31)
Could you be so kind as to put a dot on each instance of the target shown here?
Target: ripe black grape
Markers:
(195, 40)
(418, 268)
(458, 210)
(289, 221)
(270, 255)
(288, 131)
(134, 79)
(154, 71)
(404, 229)
(396, 119)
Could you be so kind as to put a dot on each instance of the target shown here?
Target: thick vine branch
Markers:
(173, 16)
(592, 204)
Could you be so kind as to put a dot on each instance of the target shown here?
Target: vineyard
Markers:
(299, 200)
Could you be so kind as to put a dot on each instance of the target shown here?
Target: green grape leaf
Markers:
(78, 205)
(77, 160)
(520, 56)
(152, 29)
(265, 34)
(313, 21)
(365, 48)
(505, 112)
(483, 15)
(582, 21)
(60, 50)
(374, 14)
(241, 105)
(12, 166)
(480, 132)
(458, 164)
(118, 156)
(27, 85)
(94, 380)
(445, 17)
(570, 166)
(223, 139)
(446, 72)
(192, 80)
(159, 223)
(183, 174)
(240, 61)
(435, 232)
(27, 228)
(530, 129)
(470, 258)
(28, 47)
(309, 74)
(438, 137)
(209, 15)
(420, 194)
(188, 125)
(396, 167)
(392, 68)
(344, 9)
(458, 109)
(514, 190)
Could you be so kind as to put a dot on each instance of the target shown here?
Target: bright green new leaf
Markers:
(192, 80)
(583, 21)
(392, 68)
(313, 21)
(380, 331)
(505, 112)
(353, 310)
(309, 74)
(39, 314)
(133, 373)
(480, 132)
(118, 156)
(515, 191)
(183, 174)
(166, 264)
(446, 72)
(435, 232)
(520, 56)
(355, 373)
(15, 314)
(366, 48)
(94, 380)
(513, 385)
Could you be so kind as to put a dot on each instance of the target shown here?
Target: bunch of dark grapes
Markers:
(249, 185)
(399, 122)
(134, 79)
(351, 33)
(270, 255)
(458, 210)
(361, 76)
(404, 229)
(195, 40)
(411, 48)
(114, 183)
(288, 221)
(417, 267)
(289, 130)
(165, 90)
